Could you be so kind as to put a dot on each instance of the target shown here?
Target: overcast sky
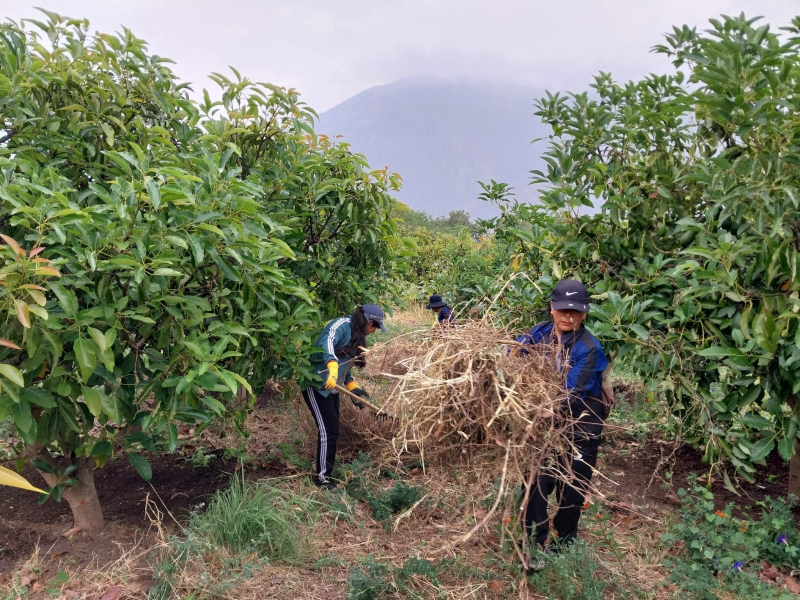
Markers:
(331, 50)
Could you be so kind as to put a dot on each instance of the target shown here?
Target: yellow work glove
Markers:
(333, 375)
(358, 391)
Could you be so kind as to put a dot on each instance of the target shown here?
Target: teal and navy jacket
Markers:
(587, 361)
(334, 336)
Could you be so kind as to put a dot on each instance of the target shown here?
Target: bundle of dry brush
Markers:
(473, 395)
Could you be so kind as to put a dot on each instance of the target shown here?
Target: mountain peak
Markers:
(443, 135)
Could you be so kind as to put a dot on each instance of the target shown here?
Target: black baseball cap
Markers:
(373, 312)
(570, 294)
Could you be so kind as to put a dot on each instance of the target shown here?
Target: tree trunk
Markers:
(794, 472)
(794, 462)
(87, 514)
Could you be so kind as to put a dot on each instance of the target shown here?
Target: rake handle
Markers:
(363, 401)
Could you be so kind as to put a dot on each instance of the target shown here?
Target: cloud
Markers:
(333, 50)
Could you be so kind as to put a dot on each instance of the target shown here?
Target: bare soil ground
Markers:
(633, 491)
(118, 563)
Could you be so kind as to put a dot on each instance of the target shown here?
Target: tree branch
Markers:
(11, 133)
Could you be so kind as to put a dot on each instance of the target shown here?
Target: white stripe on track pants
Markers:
(326, 415)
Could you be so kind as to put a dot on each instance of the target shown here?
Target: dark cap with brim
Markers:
(436, 301)
(374, 313)
(570, 294)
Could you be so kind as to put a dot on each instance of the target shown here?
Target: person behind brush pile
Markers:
(444, 314)
(580, 357)
(341, 344)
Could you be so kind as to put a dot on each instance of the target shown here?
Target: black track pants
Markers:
(326, 415)
(581, 461)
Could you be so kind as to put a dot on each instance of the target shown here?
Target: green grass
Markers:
(256, 517)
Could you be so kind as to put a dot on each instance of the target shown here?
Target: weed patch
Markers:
(720, 541)
(691, 580)
(289, 454)
(374, 580)
(256, 517)
(246, 527)
(577, 573)
(384, 505)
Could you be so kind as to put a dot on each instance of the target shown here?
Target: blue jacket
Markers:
(587, 361)
(446, 314)
(334, 336)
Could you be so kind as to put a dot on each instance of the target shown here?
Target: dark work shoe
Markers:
(328, 484)
(532, 564)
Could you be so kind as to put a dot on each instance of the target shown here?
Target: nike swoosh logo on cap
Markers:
(571, 293)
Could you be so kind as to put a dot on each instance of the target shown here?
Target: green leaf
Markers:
(101, 447)
(38, 396)
(21, 413)
(124, 261)
(42, 465)
(727, 482)
(744, 322)
(141, 464)
(764, 330)
(756, 421)
(168, 272)
(61, 578)
(640, 331)
(13, 374)
(141, 318)
(5, 86)
(173, 437)
(111, 407)
(177, 241)
(109, 133)
(93, 400)
(227, 270)
(762, 448)
(786, 447)
(155, 193)
(66, 299)
(98, 338)
(110, 337)
(215, 405)
(720, 352)
(86, 358)
(197, 250)
(734, 296)
(750, 397)
(229, 380)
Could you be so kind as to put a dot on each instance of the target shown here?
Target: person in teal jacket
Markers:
(341, 345)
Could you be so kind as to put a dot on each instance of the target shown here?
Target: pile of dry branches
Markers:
(472, 394)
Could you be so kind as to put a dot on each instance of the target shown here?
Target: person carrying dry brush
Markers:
(341, 346)
(580, 357)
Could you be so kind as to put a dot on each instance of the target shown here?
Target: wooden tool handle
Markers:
(363, 401)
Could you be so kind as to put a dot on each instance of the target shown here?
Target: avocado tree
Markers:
(694, 255)
(160, 255)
